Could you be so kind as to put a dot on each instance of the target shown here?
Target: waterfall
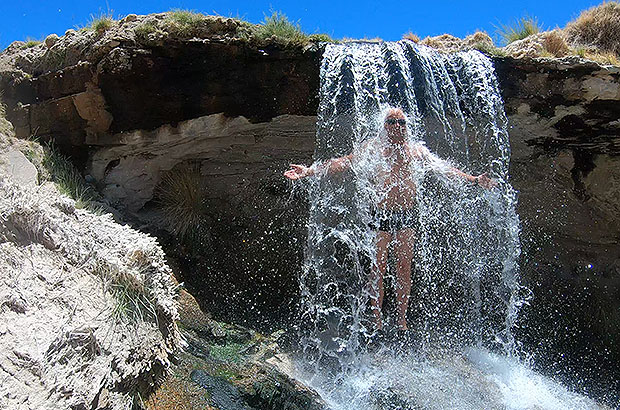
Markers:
(465, 292)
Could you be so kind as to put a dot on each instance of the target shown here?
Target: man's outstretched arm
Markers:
(332, 166)
(483, 180)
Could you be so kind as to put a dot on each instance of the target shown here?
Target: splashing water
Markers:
(465, 289)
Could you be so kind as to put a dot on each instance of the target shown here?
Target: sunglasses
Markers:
(392, 121)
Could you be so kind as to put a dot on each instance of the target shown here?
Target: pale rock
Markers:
(59, 333)
(16, 166)
(51, 40)
(129, 18)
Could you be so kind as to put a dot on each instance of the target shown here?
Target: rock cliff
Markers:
(131, 110)
(87, 306)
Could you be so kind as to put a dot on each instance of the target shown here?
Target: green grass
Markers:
(132, 301)
(279, 27)
(184, 22)
(67, 178)
(30, 42)
(520, 29)
(102, 22)
(143, 30)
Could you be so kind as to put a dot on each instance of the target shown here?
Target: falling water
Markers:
(466, 293)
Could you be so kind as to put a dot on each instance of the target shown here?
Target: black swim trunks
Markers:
(392, 221)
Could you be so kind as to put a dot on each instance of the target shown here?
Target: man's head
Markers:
(395, 125)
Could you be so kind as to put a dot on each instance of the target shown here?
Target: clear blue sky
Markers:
(387, 19)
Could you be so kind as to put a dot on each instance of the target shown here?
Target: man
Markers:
(396, 215)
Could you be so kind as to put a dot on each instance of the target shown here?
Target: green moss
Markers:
(230, 352)
(228, 374)
(520, 29)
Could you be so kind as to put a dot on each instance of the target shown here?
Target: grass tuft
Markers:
(30, 42)
(278, 27)
(184, 22)
(520, 29)
(555, 44)
(598, 27)
(67, 178)
(132, 301)
(411, 36)
(102, 22)
(182, 197)
(145, 29)
(320, 38)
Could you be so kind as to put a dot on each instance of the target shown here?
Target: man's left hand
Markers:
(485, 181)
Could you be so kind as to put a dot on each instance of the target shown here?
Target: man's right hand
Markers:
(298, 172)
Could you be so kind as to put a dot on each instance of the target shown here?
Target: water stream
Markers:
(460, 351)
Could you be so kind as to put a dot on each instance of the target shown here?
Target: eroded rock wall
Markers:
(132, 111)
(564, 118)
(87, 306)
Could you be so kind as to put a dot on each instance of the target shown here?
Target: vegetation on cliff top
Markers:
(597, 27)
(520, 29)
(276, 28)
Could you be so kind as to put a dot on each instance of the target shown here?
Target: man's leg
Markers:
(405, 240)
(376, 279)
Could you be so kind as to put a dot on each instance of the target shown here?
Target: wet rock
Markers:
(223, 394)
(230, 370)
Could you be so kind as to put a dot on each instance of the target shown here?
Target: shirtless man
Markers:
(397, 214)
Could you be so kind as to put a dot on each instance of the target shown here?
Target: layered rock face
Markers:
(132, 111)
(564, 118)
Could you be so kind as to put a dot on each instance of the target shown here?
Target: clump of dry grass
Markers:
(411, 36)
(606, 58)
(182, 197)
(555, 44)
(597, 27)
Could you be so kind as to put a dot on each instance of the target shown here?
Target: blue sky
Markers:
(357, 19)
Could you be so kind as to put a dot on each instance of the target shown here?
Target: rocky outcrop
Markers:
(228, 367)
(87, 306)
(130, 110)
(234, 156)
(565, 164)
